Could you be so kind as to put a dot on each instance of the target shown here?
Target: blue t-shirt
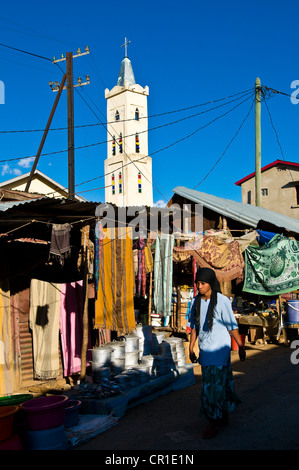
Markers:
(215, 345)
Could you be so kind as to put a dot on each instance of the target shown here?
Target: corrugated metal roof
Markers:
(244, 213)
(4, 206)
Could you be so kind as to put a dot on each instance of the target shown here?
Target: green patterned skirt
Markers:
(217, 391)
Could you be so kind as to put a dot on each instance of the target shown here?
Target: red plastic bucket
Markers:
(45, 412)
(234, 345)
(7, 416)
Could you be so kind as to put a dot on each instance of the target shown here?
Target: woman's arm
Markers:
(235, 334)
(194, 334)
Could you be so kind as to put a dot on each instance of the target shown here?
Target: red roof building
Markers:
(279, 187)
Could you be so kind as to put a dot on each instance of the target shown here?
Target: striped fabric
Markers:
(7, 363)
(114, 306)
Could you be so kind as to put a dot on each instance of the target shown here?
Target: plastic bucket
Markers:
(72, 413)
(293, 311)
(7, 416)
(12, 443)
(45, 412)
(47, 439)
(234, 345)
(13, 400)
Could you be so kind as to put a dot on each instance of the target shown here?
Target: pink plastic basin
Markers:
(45, 412)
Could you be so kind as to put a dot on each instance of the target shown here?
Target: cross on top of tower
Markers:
(125, 46)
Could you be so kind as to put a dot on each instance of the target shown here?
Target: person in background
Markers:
(212, 320)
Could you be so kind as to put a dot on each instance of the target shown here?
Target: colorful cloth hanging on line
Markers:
(60, 247)
(114, 306)
(44, 313)
(225, 258)
(272, 269)
(163, 269)
(141, 273)
(71, 327)
(98, 245)
(8, 383)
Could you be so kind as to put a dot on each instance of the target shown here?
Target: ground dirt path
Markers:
(268, 418)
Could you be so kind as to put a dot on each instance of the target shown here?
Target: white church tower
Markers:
(128, 169)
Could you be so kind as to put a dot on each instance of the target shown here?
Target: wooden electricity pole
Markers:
(70, 125)
(70, 114)
(258, 140)
(68, 77)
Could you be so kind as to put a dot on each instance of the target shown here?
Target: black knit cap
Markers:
(207, 275)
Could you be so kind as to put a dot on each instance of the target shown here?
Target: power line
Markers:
(174, 143)
(133, 119)
(26, 52)
(129, 135)
(227, 147)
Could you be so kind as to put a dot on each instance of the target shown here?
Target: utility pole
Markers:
(70, 113)
(258, 140)
(60, 88)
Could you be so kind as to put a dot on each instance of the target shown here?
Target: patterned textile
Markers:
(272, 269)
(217, 391)
(7, 364)
(44, 315)
(114, 306)
(141, 274)
(163, 267)
(225, 258)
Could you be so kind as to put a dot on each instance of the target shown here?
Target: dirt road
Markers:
(268, 418)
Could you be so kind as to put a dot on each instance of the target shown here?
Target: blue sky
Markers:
(188, 53)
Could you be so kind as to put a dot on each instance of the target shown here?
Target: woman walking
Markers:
(212, 321)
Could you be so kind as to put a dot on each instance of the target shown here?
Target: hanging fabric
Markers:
(114, 306)
(7, 363)
(141, 273)
(71, 326)
(163, 268)
(87, 252)
(44, 314)
(225, 258)
(149, 262)
(98, 246)
(265, 237)
(60, 247)
(272, 269)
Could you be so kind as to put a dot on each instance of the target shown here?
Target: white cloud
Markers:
(6, 170)
(160, 203)
(26, 162)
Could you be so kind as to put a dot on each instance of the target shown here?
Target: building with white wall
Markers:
(128, 168)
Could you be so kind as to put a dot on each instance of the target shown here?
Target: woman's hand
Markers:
(192, 357)
(242, 353)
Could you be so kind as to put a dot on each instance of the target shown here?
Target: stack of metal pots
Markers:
(175, 347)
(100, 365)
(144, 333)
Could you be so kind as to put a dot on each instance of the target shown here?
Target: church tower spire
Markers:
(128, 168)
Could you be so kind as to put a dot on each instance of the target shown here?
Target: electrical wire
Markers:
(227, 147)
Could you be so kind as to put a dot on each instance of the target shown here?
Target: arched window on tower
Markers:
(113, 145)
(137, 143)
(139, 183)
(120, 188)
(136, 114)
(117, 116)
(120, 143)
(113, 183)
